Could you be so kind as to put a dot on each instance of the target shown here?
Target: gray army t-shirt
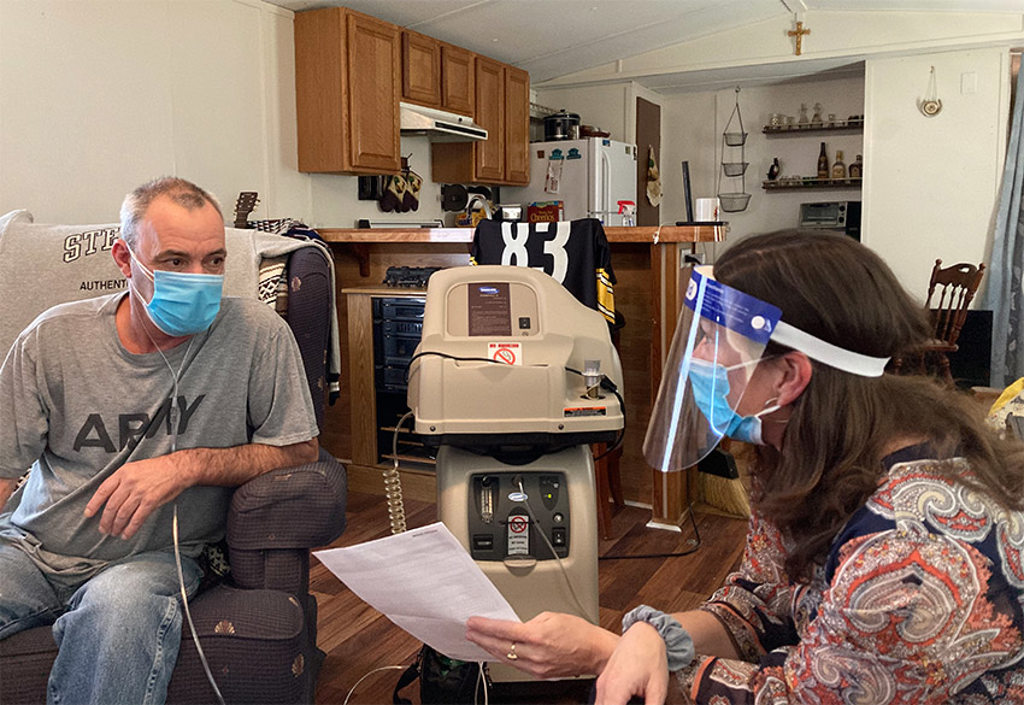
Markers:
(76, 406)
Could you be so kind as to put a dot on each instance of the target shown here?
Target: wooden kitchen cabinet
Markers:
(489, 154)
(421, 69)
(517, 126)
(437, 74)
(458, 82)
(501, 106)
(347, 87)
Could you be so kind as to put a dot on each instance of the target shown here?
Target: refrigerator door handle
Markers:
(606, 189)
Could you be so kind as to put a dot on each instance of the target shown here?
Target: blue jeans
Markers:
(118, 632)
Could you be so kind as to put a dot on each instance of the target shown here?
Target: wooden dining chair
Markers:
(950, 291)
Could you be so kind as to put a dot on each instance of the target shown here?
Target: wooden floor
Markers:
(359, 639)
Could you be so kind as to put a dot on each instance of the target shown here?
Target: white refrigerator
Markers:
(590, 176)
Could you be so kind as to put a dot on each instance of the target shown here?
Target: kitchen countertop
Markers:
(650, 234)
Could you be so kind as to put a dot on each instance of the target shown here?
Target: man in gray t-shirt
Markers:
(131, 409)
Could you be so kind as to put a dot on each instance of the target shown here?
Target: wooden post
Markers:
(669, 491)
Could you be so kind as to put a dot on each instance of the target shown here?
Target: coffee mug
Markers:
(707, 210)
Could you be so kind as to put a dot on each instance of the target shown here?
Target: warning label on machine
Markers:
(508, 353)
(586, 411)
(518, 535)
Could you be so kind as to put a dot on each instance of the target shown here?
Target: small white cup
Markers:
(707, 210)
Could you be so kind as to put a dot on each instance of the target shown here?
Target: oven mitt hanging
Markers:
(394, 193)
(411, 200)
(653, 178)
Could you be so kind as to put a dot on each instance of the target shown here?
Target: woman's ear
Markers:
(796, 374)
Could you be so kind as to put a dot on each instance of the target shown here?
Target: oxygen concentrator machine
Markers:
(513, 379)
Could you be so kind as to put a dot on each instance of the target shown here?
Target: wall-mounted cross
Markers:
(799, 33)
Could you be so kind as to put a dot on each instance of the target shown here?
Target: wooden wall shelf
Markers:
(810, 129)
(806, 184)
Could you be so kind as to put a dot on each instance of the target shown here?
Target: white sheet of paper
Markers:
(424, 581)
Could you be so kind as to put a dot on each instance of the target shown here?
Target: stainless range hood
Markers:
(439, 125)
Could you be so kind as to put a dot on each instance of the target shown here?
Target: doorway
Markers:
(648, 135)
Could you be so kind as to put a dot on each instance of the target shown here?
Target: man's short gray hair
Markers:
(185, 193)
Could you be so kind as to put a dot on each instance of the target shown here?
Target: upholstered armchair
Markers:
(257, 624)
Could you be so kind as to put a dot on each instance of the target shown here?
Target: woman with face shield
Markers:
(885, 554)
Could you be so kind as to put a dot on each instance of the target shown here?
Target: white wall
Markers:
(97, 96)
(932, 183)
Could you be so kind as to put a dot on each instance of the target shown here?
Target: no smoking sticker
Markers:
(518, 535)
(507, 353)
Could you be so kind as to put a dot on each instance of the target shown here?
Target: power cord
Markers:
(554, 553)
(393, 484)
(367, 675)
(696, 544)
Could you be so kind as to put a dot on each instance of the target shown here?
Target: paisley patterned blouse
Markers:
(921, 601)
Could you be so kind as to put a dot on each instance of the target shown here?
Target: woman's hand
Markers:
(551, 645)
(638, 666)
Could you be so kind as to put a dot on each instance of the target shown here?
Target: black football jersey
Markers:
(575, 253)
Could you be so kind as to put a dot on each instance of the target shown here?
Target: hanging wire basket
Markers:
(733, 202)
(735, 168)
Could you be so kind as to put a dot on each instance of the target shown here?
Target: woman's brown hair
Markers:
(830, 461)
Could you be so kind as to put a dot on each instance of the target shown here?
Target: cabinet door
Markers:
(421, 69)
(374, 57)
(321, 112)
(457, 82)
(517, 126)
(489, 154)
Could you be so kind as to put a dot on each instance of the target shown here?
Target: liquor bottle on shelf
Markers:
(823, 170)
(857, 168)
(839, 168)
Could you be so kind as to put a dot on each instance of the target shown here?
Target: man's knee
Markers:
(137, 599)
(26, 597)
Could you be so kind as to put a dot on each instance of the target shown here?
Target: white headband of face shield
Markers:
(827, 353)
(820, 350)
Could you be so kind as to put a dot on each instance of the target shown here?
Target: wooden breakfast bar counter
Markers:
(648, 265)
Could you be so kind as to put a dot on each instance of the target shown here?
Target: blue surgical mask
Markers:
(710, 385)
(183, 303)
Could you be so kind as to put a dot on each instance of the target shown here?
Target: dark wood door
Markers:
(648, 134)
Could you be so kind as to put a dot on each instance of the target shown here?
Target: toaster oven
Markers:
(832, 215)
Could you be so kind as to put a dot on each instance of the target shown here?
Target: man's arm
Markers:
(136, 489)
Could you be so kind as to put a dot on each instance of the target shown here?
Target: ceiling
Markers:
(553, 38)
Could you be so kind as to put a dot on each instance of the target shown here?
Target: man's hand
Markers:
(134, 491)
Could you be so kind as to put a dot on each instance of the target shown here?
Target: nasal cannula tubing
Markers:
(173, 416)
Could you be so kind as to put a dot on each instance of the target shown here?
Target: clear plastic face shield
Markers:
(719, 339)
